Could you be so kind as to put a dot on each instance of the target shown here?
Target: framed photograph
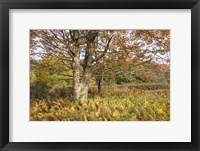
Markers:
(99, 75)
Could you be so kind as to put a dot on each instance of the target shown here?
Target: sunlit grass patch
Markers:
(130, 106)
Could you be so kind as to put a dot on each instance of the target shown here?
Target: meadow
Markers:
(147, 102)
(99, 75)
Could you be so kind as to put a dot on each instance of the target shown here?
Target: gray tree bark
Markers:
(80, 84)
(99, 82)
(82, 69)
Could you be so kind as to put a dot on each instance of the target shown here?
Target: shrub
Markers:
(38, 90)
(60, 92)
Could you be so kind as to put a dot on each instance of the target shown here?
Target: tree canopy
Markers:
(78, 55)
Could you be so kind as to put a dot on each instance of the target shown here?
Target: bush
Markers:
(38, 90)
(146, 86)
(59, 92)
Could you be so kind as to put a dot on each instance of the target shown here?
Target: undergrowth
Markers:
(115, 106)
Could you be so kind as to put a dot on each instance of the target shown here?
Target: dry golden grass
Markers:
(114, 106)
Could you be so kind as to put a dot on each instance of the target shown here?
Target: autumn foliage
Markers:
(99, 75)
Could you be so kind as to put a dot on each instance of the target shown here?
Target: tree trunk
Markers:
(76, 82)
(99, 82)
(84, 85)
(82, 72)
(84, 91)
(80, 84)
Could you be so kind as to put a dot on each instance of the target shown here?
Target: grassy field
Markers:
(116, 105)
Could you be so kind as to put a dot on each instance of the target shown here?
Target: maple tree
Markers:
(132, 48)
(81, 54)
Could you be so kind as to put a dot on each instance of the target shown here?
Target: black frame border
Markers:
(5, 5)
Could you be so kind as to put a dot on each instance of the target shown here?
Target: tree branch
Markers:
(104, 52)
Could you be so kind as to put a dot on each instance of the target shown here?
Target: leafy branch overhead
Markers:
(80, 55)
